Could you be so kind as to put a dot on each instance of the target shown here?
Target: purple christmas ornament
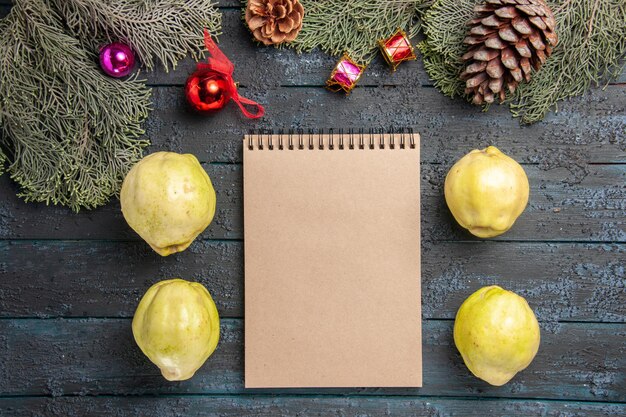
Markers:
(117, 59)
(345, 75)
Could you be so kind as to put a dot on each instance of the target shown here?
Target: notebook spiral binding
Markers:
(329, 139)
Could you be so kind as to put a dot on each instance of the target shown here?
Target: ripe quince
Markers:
(486, 192)
(168, 199)
(177, 327)
(496, 333)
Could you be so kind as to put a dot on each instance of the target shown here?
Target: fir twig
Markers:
(355, 26)
(68, 130)
(592, 43)
(443, 48)
(158, 30)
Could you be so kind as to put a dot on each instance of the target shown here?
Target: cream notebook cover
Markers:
(332, 261)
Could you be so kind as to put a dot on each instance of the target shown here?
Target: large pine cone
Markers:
(274, 21)
(505, 40)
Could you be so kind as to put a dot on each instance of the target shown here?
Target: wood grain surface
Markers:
(285, 405)
(577, 361)
(561, 208)
(69, 283)
(562, 281)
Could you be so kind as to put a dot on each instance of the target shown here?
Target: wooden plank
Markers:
(106, 279)
(38, 221)
(99, 356)
(590, 128)
(588, 204)
(271, 406)
(228, 4)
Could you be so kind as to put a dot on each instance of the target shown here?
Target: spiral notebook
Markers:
(332, 260)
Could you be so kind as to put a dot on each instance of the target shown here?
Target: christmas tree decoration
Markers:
(69, 133)
(273, 22)
(212, 86)
(207, 91)
(507, 38)
(117, 59)
(345, 75)
(397, 49)
(591, 44)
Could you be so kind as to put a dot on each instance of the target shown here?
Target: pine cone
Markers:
(505, 40)
(274, 21)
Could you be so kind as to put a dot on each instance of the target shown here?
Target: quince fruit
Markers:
(486, 192)
(177, 327)
(496, 333)
(168, 199)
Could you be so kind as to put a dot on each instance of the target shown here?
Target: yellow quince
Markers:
(496, 333)
(168, 199)
(486, 192)
(177, 327)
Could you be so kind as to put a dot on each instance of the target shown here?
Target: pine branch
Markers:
(354, 26)
(444, 71)
(444, 27)
(443, 48)
(159, 31)
(592, 44)
(68, 131)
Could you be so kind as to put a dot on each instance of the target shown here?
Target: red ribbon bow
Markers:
(220, 63)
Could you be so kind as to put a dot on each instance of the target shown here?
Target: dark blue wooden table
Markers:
(69, 283)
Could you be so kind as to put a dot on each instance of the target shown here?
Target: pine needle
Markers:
(355, 26)
(443, 48)
(69, 133)
(592, 42)
(64, 145)
(158, 30)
